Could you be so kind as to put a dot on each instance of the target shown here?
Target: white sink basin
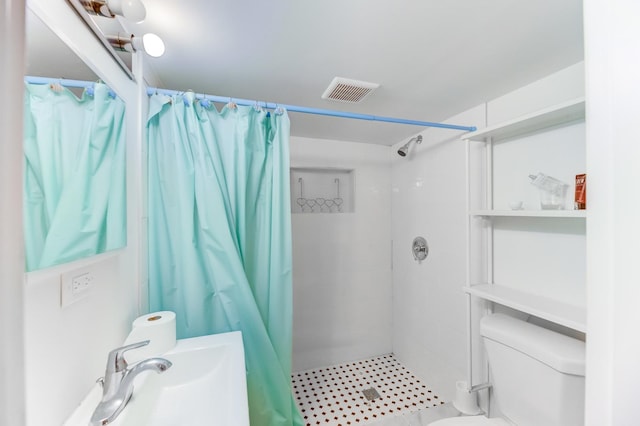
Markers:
(205, 386)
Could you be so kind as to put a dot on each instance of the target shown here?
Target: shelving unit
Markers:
(552, 310)
(516, 296)
(571, 214)
(563, 113)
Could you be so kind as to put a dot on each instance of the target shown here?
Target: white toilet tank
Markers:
(537, 374)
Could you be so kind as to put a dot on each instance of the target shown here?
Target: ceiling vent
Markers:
(347, 90)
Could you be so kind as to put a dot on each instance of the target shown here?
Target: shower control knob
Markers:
(420, 249)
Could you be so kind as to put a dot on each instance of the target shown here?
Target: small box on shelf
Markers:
(581, 192)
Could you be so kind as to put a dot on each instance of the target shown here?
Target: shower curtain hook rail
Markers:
(334, 113)
(64, 82)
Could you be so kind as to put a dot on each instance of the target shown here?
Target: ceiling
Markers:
(432, 59)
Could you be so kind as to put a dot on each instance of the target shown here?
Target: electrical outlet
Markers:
(75, 285)
(81, 283)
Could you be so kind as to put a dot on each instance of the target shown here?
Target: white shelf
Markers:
(549, 117)
(530, 213)
(552, 310)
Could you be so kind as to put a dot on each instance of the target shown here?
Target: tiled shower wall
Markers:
(429, 200)
(341, 261)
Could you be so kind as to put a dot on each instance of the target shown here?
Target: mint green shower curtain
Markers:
(74, 174)
(220, 236)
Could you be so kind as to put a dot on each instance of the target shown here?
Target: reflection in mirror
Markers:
(48, 56)
(106, 27)
(74, 147)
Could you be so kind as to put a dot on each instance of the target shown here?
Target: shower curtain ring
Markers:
(185, 99)
(56, 86)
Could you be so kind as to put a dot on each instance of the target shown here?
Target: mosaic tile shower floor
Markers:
(332, 396)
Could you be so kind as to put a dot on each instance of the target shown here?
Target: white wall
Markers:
(613, 229)
(66, 348)
(564, 85)
(341, 261)
(12, 411)
(429, 330)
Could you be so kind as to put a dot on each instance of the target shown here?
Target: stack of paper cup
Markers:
(157, 327)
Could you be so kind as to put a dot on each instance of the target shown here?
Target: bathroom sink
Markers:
(205, 385)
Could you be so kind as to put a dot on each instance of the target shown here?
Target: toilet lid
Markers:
(470, 421)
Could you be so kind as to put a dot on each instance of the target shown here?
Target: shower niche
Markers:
(322, 190)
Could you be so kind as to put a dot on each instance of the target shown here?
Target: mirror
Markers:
(74, 142)
(48, 56)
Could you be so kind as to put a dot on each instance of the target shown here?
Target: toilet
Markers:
(537, 375)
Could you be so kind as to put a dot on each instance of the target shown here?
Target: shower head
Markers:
(404, 150)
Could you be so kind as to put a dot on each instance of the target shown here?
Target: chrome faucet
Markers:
(117, 383)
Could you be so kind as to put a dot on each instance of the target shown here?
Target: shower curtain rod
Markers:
(316, 111)
(270, 105)
(61, 81)
(78, 84)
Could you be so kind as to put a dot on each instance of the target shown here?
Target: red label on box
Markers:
(581, 192)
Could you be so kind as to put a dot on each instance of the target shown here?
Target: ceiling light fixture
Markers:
(149, 43)
(132, 10)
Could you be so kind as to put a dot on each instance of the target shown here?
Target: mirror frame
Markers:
(97, 32)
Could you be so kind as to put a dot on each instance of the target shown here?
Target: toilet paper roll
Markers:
(157, 327)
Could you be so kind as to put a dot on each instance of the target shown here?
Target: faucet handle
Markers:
(116, 362)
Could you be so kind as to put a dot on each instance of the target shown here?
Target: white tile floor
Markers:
(332, 396)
